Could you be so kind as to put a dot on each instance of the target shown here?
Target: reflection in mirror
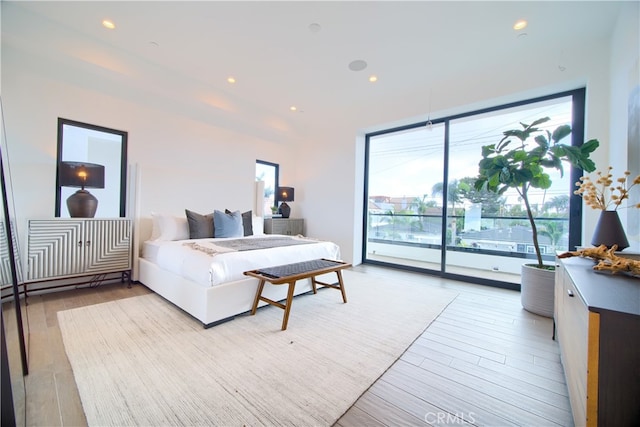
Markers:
(14, 359)
(84, 144)
(268, 173)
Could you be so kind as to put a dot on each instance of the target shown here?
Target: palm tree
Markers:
(560, 204)
(454, 191)
(553, 230)
(421, 205)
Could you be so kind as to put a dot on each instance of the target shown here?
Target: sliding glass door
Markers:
(404, 221)
(492, 232)
(423, 212)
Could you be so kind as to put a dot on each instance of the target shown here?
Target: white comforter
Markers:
(208, 270)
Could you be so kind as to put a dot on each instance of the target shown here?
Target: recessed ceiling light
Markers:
(231, 79)
(373, 78)
(315, 28)
(108, 24)
(293, 108)
(520, 25)
(357, 65)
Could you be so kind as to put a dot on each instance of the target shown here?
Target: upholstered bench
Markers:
(290, 274)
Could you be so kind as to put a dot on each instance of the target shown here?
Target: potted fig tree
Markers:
(520, 161)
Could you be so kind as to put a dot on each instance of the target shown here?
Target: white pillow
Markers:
(257, 223)
(169, 227)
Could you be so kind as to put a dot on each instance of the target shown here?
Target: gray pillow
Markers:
(228, 225)
(247, 222)
(200, 226)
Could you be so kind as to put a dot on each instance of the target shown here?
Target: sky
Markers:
(409, 163)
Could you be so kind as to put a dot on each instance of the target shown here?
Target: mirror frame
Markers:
(13, 384)
(123, 160)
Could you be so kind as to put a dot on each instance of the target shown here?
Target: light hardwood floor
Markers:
(483, 361)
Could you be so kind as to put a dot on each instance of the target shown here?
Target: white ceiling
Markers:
(182, 52)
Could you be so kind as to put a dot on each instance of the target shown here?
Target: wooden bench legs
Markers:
(292, 286)
(339, 285)
(286, 307)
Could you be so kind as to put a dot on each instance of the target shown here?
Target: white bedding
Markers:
(207, 270)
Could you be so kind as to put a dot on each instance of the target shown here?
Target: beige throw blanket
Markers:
(214, 247)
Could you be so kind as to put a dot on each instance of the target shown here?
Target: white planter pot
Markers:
(537, 290)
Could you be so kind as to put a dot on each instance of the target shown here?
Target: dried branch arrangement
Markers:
(604, 192)
(608, 260)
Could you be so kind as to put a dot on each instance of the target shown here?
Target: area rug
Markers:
(142, 361)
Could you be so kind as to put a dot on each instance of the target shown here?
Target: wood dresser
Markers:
(597, 324)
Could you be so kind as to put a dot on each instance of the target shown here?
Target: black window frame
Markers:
(276, 166)
(575, 202)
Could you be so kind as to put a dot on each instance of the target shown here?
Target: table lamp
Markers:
(81, 204)
(284, 195)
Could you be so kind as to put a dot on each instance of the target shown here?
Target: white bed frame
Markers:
(212, 305)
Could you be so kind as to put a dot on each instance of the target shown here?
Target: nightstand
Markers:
(288, 226)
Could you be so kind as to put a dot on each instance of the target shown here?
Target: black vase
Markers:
(609, 231)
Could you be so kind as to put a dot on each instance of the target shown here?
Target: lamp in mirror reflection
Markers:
(284, 195)
(81, 204)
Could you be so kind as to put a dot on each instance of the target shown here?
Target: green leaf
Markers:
(558, 150)
(523, 175)
(485, 165)
(494, 180)
(487, 150)
(520, 134)
(542, 181)
(548, 163)
(542, 141)
(501, 161)
(588, 165)
(537, 153)
(573, 154)
(504, 175)
(590, 146)
(540, 121)
(561, 132)
(504, 143)
(519, 156)
(480, 182)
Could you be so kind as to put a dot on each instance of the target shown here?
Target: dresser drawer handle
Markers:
(570, 292)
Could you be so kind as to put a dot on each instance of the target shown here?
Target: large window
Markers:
(422, 211)
(268, 173)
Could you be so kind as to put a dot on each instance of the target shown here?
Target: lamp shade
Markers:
(285, 194)
(81, 174)
(81, 204)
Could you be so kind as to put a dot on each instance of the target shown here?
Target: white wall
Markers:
(624, 154)
(188, 161)
(183, 163)
(587, 67)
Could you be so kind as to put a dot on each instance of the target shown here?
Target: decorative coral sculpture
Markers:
(607, 260)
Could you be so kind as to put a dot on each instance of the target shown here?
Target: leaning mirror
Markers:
(14, 350)
(91, 171)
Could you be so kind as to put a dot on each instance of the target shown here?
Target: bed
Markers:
(204, 276)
